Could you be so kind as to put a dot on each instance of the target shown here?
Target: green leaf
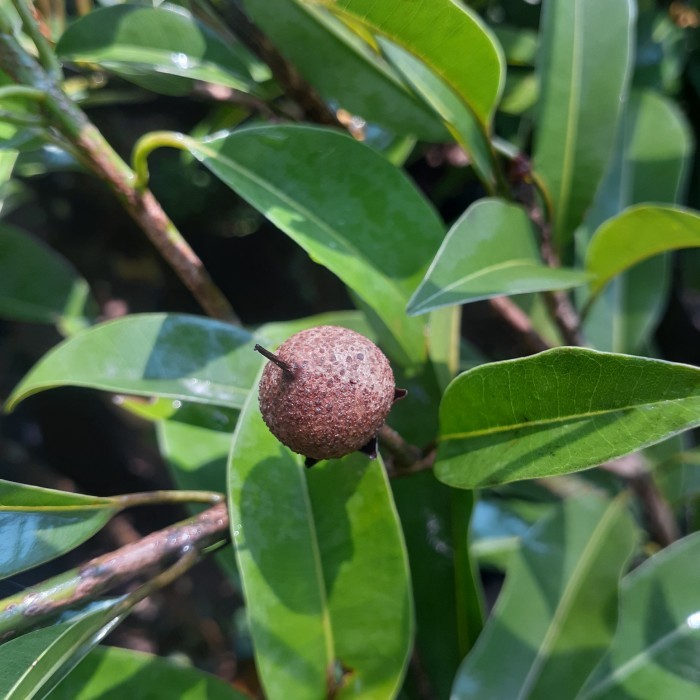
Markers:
(195, 442)
(583, 70)
(37, 525)
(558, 412)
(655, 650)
(490, 251)
(36, 661)
(170, 355)
(447, 598)
(352, 211)
(343, 68)
(649, 163)
(437, 33)
(463, 125)
(163, 49)
(109, 673)
(678, 477)
(640, 232)
(323, 566)
(16, 135)
(519, 44)
(556, 613)
(39, 285)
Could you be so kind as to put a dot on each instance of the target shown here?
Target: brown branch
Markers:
(402, 454)
(112, 569)
(658, 514)
(520, 323)
(403, 458)
(524, 189)
(285, 73)
(90, 147)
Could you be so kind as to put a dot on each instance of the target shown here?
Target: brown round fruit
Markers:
(326, 392)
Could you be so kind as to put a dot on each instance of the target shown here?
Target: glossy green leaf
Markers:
(583, 70)
(520, 94)
(519, 44)
(446, 595)
(195, 442)
(558, 412)
(13, 135)
(444, 344)
(499, 524)
(471, 134)
(556, 613)
(437, 33)
(490, 251)
(344, 69)
(160, 48)
(352, 211)
(639, 233)
(35, 662)
(657, 645)
(109, 673)
(323, 566)
(678, 477)
(39, 285)
(37, 525)
(650, 162)
(170, 355)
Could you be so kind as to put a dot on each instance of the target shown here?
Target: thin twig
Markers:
(403, 455)
(285, 73)
(525, 187)
(47, 57)
(109, 570)
(661, 521)
(520, 323)
(98, 156)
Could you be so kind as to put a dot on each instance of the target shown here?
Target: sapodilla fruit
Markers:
(327, 392)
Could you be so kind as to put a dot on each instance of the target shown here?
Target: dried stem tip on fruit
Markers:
(326, 392)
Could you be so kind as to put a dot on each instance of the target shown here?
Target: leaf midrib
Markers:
(569, 150)
(567, 599)
(635, 662)
(561, 419)
(484, 272)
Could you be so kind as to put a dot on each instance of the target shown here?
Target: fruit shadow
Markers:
(296, 527)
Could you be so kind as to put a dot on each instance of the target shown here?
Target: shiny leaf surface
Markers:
(556, 613)
(650, 163)
(323, 567)
(558, 412)
(161, 48)
(37, 525)
(35, 662)
(343, 67)
(435, 526)
(62, 296)
(657, 644)
(108, 673)
(583, 70)
(436, 32)
(169, 355)
(353, 211)
(490, 251)
(471, 134)
(639, 233)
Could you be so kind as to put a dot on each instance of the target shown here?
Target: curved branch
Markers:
(103, 573)
(99, 157)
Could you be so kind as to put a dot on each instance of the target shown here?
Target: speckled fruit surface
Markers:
(338, 396)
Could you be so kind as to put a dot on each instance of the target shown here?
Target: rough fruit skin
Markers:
(340, 393)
